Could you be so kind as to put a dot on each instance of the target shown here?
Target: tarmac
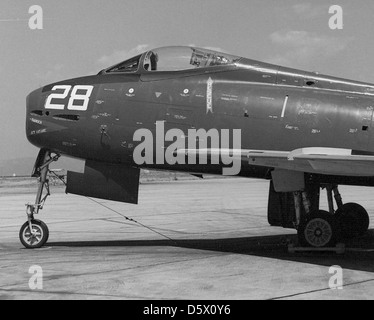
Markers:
(201, 239)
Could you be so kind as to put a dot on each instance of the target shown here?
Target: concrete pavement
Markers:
(205, 239)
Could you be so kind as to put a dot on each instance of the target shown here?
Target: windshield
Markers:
(184, 58)
(130, 65)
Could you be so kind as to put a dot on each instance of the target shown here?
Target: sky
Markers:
(82, 37)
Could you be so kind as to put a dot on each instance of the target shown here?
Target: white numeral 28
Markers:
(74, 97)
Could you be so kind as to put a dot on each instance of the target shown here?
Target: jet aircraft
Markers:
(303, 132)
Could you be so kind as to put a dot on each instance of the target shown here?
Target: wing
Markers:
(330, 161)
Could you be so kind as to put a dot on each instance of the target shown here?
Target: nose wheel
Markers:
(34, 237)
(34, 233)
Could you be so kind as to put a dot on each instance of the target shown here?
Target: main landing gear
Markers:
(321, 228)
(34, 233)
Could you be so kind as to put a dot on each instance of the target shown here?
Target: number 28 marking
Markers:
(78, 101)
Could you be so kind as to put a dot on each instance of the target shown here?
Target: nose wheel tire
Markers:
(319, 230)
(353, 219)
(35, 238)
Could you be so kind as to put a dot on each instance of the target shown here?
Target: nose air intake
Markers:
(32, 101)
(34, 113)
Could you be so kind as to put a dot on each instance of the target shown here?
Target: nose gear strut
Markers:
(34, 233)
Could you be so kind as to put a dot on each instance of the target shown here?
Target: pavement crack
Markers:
(319, 290)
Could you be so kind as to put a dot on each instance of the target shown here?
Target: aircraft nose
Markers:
(34, 113)
(32, 101)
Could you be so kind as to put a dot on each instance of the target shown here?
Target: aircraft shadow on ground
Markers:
(276, 247)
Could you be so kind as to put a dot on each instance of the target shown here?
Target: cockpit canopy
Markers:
(173, 59)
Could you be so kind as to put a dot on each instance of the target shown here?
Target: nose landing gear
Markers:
(34, 233)
(34, 236)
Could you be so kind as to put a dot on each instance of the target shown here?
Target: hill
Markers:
(24, 166)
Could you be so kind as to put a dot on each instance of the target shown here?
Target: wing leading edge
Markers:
(329, 161)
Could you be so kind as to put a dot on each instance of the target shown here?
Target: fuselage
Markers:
(275, 108)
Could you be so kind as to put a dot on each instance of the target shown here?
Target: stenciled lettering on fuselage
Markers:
(209, 96)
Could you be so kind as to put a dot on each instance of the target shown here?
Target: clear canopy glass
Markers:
(175, 59)
(184, 58)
